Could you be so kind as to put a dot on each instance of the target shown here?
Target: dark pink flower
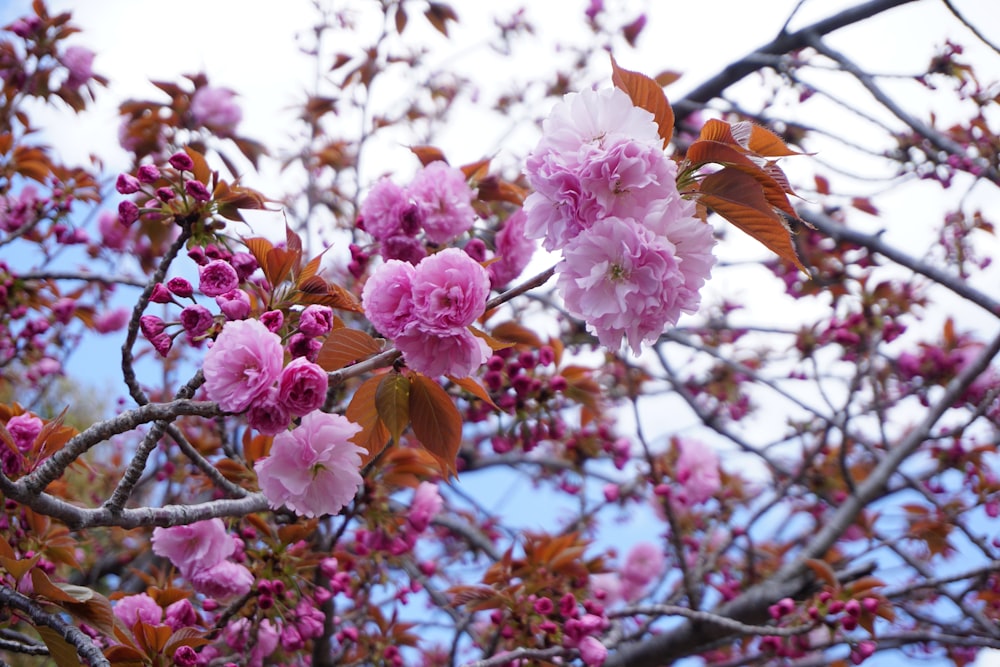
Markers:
(513, 250)
(111, 320)
(223, 581)
(182, 161)
(217, 277)
(313, 469)
(180, 286)
(316, 320)
(24, 428)
(268, 414)
(161, 294)
(244, 362)
(127, 184)
(273, 320)
(196, 320)
(197, 190)
(148, 173)
(128, 212)
(302, 386)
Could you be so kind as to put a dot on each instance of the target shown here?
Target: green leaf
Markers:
(435, 420)
(392, 401)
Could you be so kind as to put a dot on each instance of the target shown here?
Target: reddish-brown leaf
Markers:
(345, 346)
(766, 143)
(435, 420)
(473, 387)
(374, 436)
(259, 247)
(704, 151)
(279, 264)
(439, 14)
(428, 154)
(514, 332)
(737, 197)
(718, 130)
(392, 401)
(400, 19)
(201, 170)
(647, 94)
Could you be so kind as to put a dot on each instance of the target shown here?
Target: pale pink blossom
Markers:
(457, 354)
(244, 362)
(449, 291)
(316, 320)
(674, 218)
(141, 607)
(313, 469)
(623, 280)
(223, 581)
(644, 563)
(426, 504)
(216, 108)
(235, 305)
(697, 473)
(302, 386)
(387, 297)
(445, 201)
(195, 547)
(79, 61)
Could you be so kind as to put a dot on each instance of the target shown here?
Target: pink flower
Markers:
(24, 428)
(198, 191)
(316, 320)
(215, 108)
(387, 297)
(643, 564)
(217, 278)
(223, 581)
(457, 354)
(79, 61)
(111, 320)
(449, 291)
(181, 614)
(141, 607)
(697, 473)
(180, 287)
(243, 363)
(623, 280)
(302, 386)
(194, 547)
(235, 305)
(445, 200)
(113, 235)
(592, 651)
(513, 250)
(268, 414)
(384, 209)
(425, 506)
(313, 469)
(674, 218)
(196, 320)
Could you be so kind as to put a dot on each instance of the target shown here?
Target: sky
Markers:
(253, 47)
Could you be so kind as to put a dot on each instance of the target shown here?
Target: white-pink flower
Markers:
(623, 280)
(314, 468)
(194, 547)
(387, 297)
(426, 504)
(697, 473)
(242, 364)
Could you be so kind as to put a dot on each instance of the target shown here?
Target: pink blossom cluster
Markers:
(427, 310)
(23, 429)
(437, 202)
(605, 194)
(162, 192)
(696, 474)
(215, 108)
(201, 551)
(245, 372)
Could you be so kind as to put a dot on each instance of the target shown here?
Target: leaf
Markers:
(428, 154)
(515, 332)
(60, 650)
(124, 656)
(373, 436)
(439, 14)
(824, 572)
(43, 586)
(259, 248)
(345, 346)
(704, 151)
(201, 170)
(647, 94)
(278, 264)
(400, 19)
(392, 401)
(766, 143)
(435, 420)
(91, 607)
(737, 197)
(473, 387)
